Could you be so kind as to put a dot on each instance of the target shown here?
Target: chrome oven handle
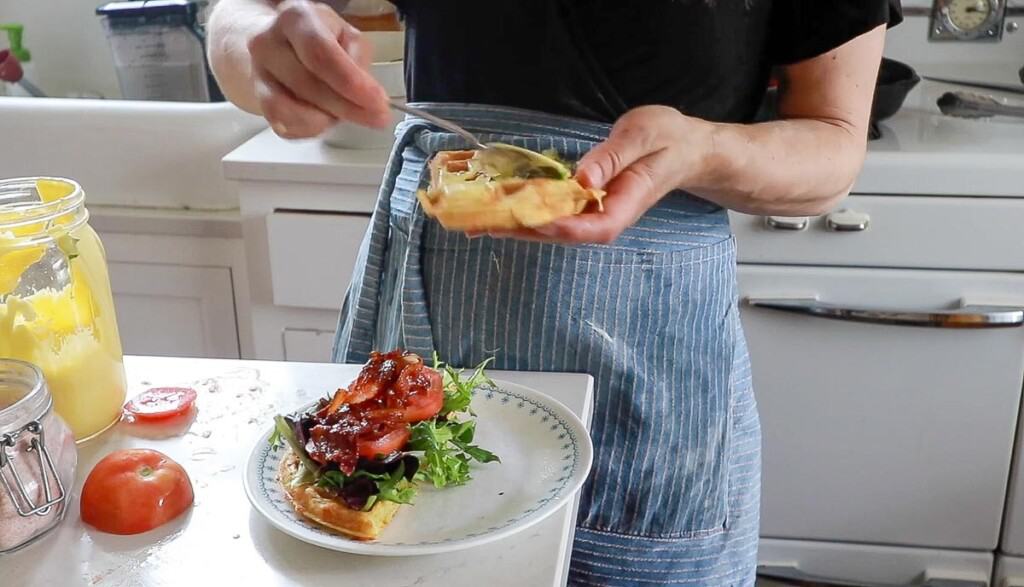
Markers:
(968, 317)
(793, 576)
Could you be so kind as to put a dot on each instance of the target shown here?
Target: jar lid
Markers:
(23, 395)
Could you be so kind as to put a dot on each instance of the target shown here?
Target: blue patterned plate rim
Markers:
(261, 470)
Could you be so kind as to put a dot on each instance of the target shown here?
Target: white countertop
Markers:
(224, 542)
(268, 157)
(921, 152)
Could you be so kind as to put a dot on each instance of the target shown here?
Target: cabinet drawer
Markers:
(902, 231)
(312, 256)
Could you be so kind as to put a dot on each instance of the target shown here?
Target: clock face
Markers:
(969, 15)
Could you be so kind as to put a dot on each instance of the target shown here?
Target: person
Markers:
(657, 101)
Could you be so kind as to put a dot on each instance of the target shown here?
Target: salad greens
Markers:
(439, 450)
(393, 486)
(284, 433)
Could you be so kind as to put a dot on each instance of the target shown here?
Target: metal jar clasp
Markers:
(12, 480)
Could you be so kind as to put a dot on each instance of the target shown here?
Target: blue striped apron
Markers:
(673, 498)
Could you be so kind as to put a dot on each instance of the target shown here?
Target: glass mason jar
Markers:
(37, 457)
(56, 309)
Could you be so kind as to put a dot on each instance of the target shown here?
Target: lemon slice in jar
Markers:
(14, 262)
(51, 190)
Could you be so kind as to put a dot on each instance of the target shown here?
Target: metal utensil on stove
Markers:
(980, 85)
(970, 105)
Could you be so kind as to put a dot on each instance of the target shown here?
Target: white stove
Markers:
(887, 341)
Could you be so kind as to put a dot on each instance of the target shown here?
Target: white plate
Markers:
(545, 454)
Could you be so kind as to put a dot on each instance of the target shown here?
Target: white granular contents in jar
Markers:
(16, 530)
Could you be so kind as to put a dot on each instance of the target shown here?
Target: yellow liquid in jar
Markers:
(70, 334)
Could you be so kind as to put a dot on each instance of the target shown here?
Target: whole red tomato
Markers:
(134, 491)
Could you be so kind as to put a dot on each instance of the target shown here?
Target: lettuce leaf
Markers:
(284, 433)
(447, 451)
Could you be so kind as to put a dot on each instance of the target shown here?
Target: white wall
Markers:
(68, 45)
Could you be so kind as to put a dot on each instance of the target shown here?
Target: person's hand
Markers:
(310, 68)
(651, 151)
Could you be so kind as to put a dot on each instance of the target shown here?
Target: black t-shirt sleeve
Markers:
(802, 29)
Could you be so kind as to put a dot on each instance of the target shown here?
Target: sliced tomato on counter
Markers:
(135, 491)
(160, 403)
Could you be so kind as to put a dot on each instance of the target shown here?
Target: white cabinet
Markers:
(878, 433)
(1009, 572)
(302, 240)
(180, 295)
(174, 310)
(308, 345)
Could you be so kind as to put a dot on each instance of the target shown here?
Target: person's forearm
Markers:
(796, 167)
(807, 162)
(232, 24)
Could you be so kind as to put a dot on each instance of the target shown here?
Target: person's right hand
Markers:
(310, 71)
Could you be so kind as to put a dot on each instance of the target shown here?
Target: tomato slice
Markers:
(160, 403)
(422, 391)
(134, 491)
(386, 444)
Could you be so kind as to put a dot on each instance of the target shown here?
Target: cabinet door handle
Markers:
(794, 576)
(968, 317)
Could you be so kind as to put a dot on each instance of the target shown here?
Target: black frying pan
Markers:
(895, 80)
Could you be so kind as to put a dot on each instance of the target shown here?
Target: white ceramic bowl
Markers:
(388, 69)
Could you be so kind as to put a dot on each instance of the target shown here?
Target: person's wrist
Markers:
(700, 162)
(706, 162)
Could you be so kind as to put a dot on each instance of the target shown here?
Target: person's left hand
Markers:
(651, 151)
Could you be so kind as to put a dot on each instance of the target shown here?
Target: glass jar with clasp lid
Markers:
(37, 457)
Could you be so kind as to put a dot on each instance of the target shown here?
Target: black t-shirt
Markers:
(597, 59)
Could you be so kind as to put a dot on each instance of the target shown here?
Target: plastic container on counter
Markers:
(37, 458)
(56, 307)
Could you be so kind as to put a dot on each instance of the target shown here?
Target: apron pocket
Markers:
(654, 329)
(662, 424)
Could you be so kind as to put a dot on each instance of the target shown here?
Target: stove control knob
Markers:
(847, 220)
(786, 222)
